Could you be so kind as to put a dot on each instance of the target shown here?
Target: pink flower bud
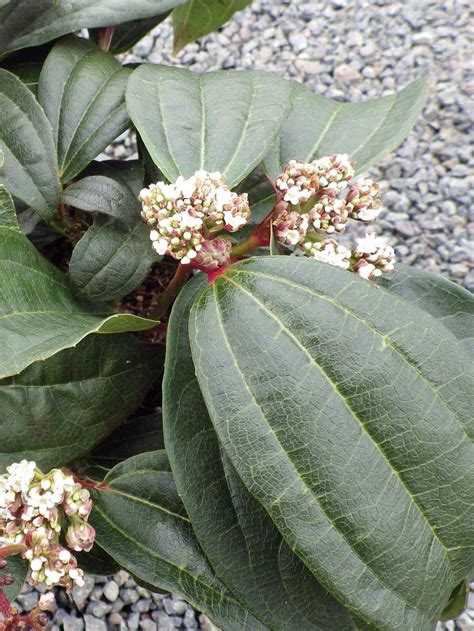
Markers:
(80, 536)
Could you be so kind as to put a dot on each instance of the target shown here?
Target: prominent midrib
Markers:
(384, 336)
(297, 474)
(363, 426)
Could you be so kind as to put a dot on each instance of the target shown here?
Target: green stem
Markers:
(182, 274)
(244, 247)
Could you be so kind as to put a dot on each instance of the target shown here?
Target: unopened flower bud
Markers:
(290, 226)
(214, 254)
(80, 536)
(363, 200)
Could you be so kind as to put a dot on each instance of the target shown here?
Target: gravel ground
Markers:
(347, 50)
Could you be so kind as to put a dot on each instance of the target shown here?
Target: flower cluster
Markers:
(316, 199)
(369, 258)
(33, 507)
(184, 214)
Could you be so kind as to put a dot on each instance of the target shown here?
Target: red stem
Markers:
(4, 605)
(183, 272)
(259, 238)
(105, 37)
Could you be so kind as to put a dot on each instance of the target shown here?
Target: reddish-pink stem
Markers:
(105, 37)
(4, 605)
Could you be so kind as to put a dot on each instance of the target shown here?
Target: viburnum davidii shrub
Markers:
(305, 466)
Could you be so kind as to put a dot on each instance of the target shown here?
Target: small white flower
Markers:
(328, 251)
(36, 564)
(372, 256)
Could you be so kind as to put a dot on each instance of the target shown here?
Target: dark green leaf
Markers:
(261, 194)
(200, 17)
(130, 33)
(345, 410)
(39, 312)
(111, 259)
(237, 535)
(446, 301)
(367, 131)
(97, 562)
(81, 89)
(115, 254)
(29, 170)
(57, 410)
(28, 72)
(138, 435)
(128, 172)
(456, 603)
(218, 121)
(19, 568)
(98, 193)
(135, 526)
(26, 23)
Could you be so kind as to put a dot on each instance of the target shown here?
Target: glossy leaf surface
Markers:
(218, 121)
(345, 410)
(40, 314)
(58, 409)
(165, 553)
(200, 17)
(81, 89)
(318, 126)
(29, 168)
(239, 538)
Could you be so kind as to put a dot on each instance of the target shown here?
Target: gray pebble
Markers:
(190, 621)
(142, 605)
(163, 620)
(28, 601)
(129, 595)
(99, 609)
(94, 624)
(71, 623)
(81, 594)
(116, 620)
(111, 590)
(133, 621)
